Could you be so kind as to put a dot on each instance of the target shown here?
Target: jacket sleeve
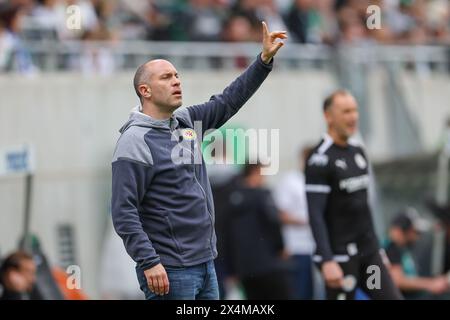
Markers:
(132, 173)
(221, 107)
(129, 180)
(317, 190)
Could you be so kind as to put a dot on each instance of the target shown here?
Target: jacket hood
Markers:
(137, 118)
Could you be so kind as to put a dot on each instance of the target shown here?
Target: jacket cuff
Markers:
(149, 265)
(267, 66)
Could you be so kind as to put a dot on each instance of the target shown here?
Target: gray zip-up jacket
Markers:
(161, 204)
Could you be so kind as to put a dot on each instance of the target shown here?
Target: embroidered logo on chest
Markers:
(360, 161)
(189, 134)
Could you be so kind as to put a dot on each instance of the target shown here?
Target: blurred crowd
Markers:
(329, 22)
(307, 21)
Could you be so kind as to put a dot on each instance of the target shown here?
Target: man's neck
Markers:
(155, 112)
(340, 141)
(251, 183)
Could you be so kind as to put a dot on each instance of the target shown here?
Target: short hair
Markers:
(8, 13)
(14, 260)
(403, 222)
(251, 168)
(330, 99)
(140, 76)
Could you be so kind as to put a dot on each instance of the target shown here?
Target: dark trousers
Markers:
(270, 286)
(362, 267)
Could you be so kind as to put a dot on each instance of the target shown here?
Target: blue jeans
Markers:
(303, 277)
(197, 282)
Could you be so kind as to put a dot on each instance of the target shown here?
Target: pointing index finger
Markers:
(265, 29)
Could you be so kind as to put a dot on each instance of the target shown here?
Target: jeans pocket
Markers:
(143, 285)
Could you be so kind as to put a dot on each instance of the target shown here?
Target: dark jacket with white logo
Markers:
(337, 183)
(161, 204)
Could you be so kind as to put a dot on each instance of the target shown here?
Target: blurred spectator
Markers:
(269, 13)
(89, 18)
(442, 212)
(95, 59)
(290, 197)
(237, 29)
(26, 5)
(204, 20)
(158, 24)
(351, 28)
(304, 22)
(249, 10)
(438, 17)
(48, 19)
(13, 54)
(155, 17)
(223, 177)
(254, 248)
(111, 15)
(403, 233)
(407, 22)
(18, 277)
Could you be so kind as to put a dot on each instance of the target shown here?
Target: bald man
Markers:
(161, 202)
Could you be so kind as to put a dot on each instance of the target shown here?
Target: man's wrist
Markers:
(150, 265)
(327, 259)
(265, 59)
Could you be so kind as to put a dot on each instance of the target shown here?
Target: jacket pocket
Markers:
(172, 234)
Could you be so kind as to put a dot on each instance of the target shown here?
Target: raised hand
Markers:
(270, 45)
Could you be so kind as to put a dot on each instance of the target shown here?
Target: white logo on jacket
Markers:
(340, 163)
(360, 161)
(317, 159)
(355, 183)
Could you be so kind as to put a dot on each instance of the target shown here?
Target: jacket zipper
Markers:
(206, 199)
(207, 207)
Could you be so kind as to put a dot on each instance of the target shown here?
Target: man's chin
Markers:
(176, 106)
(350, 133)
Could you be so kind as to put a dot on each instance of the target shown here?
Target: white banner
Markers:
(17, 159)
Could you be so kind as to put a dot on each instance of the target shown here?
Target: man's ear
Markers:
(145, 91)
(327, 115)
